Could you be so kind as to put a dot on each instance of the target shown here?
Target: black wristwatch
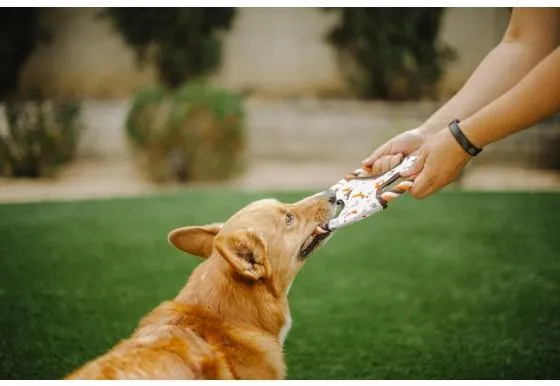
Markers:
(462, 139)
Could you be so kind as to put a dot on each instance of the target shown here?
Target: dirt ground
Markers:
(102, 179)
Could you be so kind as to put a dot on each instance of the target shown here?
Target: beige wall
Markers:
(84, 57)
(473, 32)
(270, 51)
(281, 51)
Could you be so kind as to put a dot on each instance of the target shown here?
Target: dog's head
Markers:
(266, 240)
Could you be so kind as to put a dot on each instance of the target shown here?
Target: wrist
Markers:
(457, 132)
(474, 134)
(428, 130)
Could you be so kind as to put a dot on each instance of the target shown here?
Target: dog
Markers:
(231, 319)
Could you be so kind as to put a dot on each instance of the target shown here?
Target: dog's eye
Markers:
(289, 218)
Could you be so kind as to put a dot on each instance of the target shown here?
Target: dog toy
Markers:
(360, 194)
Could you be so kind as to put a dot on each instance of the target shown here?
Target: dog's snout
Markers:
(331, 194)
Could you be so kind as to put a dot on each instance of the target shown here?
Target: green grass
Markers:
(458, 286)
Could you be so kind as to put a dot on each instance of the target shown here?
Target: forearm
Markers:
(531, 36)
(536, 97)
(500, 70)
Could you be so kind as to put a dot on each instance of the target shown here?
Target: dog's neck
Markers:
(215, 287)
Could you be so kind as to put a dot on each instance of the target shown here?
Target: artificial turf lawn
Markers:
(460, 285)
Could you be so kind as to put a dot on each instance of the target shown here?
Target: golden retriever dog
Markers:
(232, 317)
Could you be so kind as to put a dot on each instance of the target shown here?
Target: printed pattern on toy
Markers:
(362, 194)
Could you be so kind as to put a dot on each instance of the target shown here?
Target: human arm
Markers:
(536, 97)
(531, 35)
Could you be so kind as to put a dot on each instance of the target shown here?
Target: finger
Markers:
(386, 163)
(395, 160)
(405, 186)
(422, 186)
(418, 165)
(380, 151)
(377, 166)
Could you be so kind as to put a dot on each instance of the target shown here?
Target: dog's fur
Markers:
(231, 318)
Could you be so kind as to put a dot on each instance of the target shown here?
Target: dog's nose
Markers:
(331, 194)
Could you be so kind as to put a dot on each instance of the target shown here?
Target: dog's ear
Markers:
(196, 240)
(245, 250)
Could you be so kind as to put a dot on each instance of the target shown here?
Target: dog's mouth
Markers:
(314, 241)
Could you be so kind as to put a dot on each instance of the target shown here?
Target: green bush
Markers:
(193, 134)
(390, 53)
(183, 43)
(19, 33)
(37, 137)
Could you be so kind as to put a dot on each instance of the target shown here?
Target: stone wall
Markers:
(314, 131)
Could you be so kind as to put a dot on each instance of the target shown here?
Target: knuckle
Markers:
(429, 175)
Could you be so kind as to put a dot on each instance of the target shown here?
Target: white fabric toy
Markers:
(362, 195)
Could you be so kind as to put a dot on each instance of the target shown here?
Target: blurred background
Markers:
(107, 102)
(199, 111)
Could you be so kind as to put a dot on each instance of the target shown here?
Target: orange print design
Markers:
(359, 195)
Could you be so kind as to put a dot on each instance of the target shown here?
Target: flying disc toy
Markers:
(360, 194)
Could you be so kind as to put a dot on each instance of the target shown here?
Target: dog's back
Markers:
(164, 346)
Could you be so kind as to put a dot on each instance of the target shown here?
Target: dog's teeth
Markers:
(320, 230)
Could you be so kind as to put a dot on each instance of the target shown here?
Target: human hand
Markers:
(390, 154)
(440, 161)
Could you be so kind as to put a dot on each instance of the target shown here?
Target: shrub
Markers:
(183, 43)
(390, 53)
(37, 137)
(19, 33)
(194, 134)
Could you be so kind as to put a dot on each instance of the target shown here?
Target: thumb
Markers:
(423, 185)
(418, 165)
